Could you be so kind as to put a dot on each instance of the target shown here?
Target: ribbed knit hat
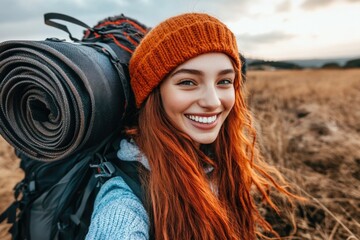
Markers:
(173, 42)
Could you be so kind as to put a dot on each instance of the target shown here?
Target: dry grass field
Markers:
(10, 174)
(309, 127)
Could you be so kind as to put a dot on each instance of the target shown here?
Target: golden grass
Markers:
(309, 127)
(10, 174)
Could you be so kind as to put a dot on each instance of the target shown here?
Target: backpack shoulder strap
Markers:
(129, 172)
(110, 166)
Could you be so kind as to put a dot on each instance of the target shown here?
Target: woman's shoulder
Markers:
(115, 188)
(118, 213)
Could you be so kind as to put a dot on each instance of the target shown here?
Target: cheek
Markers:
(229, 100)
(173, 102)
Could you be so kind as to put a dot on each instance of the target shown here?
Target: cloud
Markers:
(15, 14)
(227, 10)
(18, 10)
(151, 10)
(252, 43)
(311, 4)
(265, 38)
(285, 6)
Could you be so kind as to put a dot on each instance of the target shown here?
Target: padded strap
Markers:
(88, 190)
(135, 186)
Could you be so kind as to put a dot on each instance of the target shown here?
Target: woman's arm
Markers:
(118, 213)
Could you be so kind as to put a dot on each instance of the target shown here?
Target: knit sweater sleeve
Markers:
(118, 214)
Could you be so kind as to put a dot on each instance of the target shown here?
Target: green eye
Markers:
(186, 83)
(225, 82)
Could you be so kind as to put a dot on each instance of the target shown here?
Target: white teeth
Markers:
(202, 119)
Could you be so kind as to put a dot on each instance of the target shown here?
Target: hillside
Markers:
(303, 63)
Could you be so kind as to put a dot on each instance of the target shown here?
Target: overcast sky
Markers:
(273, 30)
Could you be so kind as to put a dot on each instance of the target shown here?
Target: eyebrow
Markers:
(197, 72)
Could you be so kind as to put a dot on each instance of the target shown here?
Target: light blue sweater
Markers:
(118, 213)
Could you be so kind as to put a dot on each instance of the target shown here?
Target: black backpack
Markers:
(55, 199)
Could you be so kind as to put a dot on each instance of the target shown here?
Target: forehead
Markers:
(208, 62)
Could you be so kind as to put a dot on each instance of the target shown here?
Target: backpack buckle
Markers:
(105, 169)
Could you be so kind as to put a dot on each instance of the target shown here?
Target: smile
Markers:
(202, 119)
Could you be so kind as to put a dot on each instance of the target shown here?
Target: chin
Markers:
(204, 141)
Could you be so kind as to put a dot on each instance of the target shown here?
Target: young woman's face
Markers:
(199, 94)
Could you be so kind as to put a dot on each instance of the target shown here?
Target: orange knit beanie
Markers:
(173, 42)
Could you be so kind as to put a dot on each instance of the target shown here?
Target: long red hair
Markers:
(184, 201)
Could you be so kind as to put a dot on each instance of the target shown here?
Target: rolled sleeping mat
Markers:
(57, 98)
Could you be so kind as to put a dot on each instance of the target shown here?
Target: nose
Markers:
(210, 98)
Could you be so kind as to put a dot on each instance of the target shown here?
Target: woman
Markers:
(194, 138)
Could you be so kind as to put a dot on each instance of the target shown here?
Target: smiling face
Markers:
(199, 94)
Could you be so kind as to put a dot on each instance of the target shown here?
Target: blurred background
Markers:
(303, 86)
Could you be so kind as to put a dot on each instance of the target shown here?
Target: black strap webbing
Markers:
(49, 17)
(88, 190)
(107, 50)
(10, 213)
(135, 186)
